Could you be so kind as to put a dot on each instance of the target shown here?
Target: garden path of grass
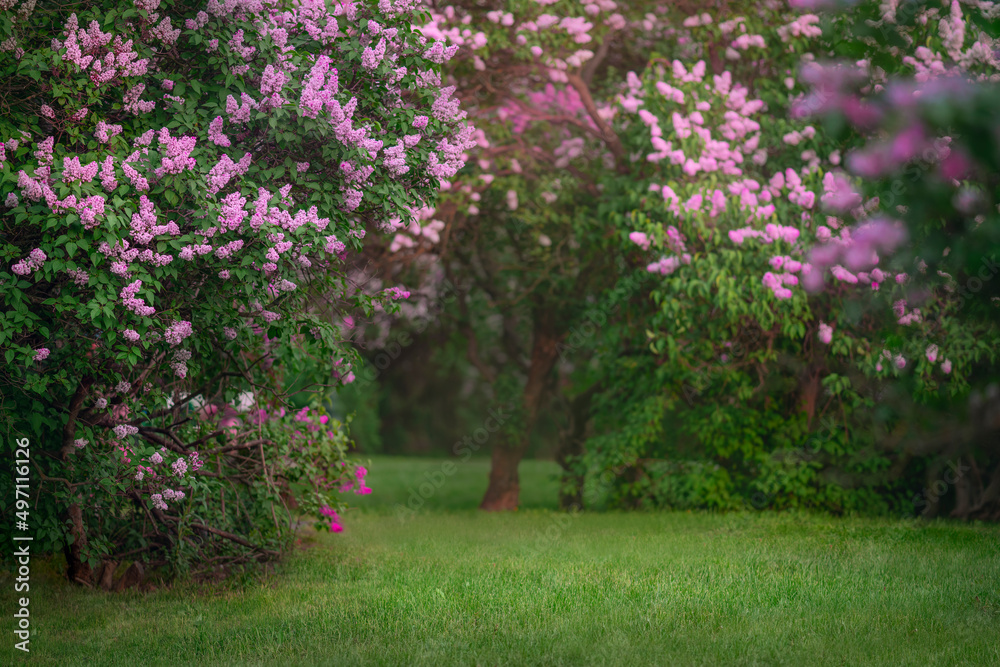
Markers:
(457, 587)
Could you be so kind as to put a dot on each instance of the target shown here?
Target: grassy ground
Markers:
(458, 587)
(398, 481)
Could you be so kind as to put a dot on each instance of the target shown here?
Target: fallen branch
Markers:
(235, 538)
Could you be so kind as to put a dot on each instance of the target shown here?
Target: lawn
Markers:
(452, 586)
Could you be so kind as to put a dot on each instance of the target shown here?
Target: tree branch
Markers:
(235, 538)
(614, 143)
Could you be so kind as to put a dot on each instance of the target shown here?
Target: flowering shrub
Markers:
(786, 338)
(729, 197)
(674, 154)
(922, 101)
(181, 187)
(845, 348)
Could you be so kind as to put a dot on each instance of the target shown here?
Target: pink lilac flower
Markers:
(105, 132)
(108, 180)
(215, 134)
(74, 171)
(825, 333)
(125, 430)
(180, 467)
(371, 58)
(843, 275)
(239, 112)
(135, 178)
(179, 362)
(640, 239)
(137, 306)
(157, 500)
(33, 262)
(177, 332)
(665, 266)
(176, 153)
(41, 354)
(397, 293)
(776, 284)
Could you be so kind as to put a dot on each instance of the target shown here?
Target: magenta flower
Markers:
(335, 526)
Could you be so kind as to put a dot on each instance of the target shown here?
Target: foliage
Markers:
(243, 149)
(782, 335)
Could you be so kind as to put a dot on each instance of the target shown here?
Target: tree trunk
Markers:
(504, 487)
(809, 393)
(77, 569)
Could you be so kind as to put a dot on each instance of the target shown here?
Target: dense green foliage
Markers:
(154, 320)
(694, 368)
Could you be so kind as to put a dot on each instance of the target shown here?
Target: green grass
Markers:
(398, 481)
(459, 587)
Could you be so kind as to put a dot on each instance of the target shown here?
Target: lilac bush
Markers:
(181, 185)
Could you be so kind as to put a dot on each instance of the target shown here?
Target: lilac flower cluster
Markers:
(129, 300)
(177, 332)
(33, 262)
(179, 363)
